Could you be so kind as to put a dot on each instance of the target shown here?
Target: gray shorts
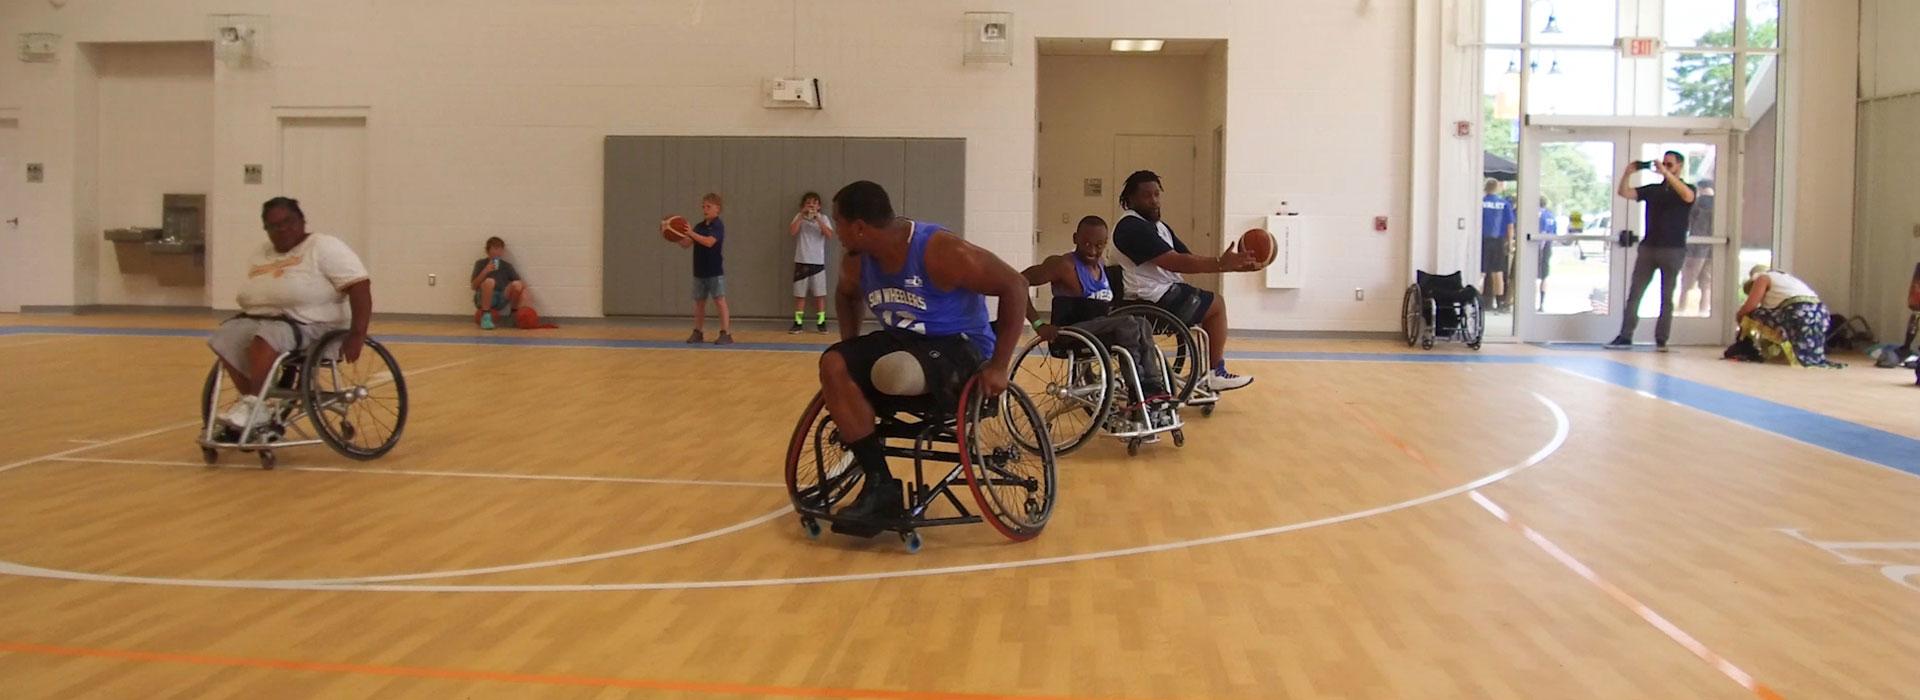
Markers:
(709, 287)
(231, 339)
(814, 285)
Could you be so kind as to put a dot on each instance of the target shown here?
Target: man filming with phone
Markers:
(1663, 248)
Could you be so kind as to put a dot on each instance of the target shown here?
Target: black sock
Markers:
(870, 453)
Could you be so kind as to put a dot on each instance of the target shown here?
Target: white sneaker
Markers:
(242, 413)
(1222, 380)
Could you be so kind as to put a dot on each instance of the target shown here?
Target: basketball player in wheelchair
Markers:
(1104, 368)
(928, 287)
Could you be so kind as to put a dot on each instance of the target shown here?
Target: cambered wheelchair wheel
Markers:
(1070, 381)
(1476, 329)
(1412, 323)
(820, 469)
(358, 408)
(1176, 343)
(1014, 487)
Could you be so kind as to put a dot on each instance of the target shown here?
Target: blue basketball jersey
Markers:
(909, 301)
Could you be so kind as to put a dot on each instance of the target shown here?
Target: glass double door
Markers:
(1576, 242)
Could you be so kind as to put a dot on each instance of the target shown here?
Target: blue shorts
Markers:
(705, 288)
(499, 300)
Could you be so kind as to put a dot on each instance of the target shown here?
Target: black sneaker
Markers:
(820, 327)
(879, 502)
(794, 329)
(1619, 342)
(1659, 347)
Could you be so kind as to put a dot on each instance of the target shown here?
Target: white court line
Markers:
(1562, 427)
(463, 475)
(176, 426)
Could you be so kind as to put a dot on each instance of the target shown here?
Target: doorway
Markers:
(1577, 241)
(1087, 144)
(13, 243)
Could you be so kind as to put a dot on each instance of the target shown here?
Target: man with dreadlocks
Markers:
(1153, 260)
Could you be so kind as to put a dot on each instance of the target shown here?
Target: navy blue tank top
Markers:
(909, 301)
(1096, 296)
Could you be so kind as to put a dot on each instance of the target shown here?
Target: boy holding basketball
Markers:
(707, 239)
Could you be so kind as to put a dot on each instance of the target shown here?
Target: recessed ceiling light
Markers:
(1137, 44)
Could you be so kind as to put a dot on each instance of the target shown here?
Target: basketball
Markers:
(675, 228)
(1258, 243)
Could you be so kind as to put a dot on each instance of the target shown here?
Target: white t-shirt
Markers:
(1139, 242)
(1781, 287)
(304, 283)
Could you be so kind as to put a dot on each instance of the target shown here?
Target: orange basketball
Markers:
(675, 228)
(1258, 243)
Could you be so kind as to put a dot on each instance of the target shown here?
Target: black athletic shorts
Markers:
(1186, 302)
(949, 361)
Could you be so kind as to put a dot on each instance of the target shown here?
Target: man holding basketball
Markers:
(1154, 260)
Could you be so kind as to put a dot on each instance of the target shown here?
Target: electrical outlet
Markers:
(432, 279)
(1359, 294)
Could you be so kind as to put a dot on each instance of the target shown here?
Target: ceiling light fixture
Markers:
(1125, 45)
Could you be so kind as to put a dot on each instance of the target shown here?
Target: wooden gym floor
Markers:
(598, 513)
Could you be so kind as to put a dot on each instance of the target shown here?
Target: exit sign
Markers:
(1641, 46)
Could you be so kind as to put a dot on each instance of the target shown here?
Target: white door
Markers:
(1172, 158)
(13, 244)
(1579, 240)
(323, 163)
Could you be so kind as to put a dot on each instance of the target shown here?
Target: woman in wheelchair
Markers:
(295, 284)
(928, 288)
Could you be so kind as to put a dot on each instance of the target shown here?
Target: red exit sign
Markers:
(1641, 46)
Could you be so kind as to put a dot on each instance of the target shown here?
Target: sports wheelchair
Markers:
(1441, 307)
(1184, 348)
(357, 408)
(1081, 387)
(998, 447)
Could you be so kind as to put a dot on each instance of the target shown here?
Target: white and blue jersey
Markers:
(909, 301)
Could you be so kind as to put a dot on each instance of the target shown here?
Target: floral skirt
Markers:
(1802, 326)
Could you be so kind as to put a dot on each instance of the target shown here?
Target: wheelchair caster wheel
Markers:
(1179, 438)
(1207, 411)
(811, 527)
(913, 541)
(267, 459)
(347, 432)
(1133, 446)
(209, 455)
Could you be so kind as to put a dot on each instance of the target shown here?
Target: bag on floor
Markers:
(1743, 350)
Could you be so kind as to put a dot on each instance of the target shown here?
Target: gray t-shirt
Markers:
(810, 247)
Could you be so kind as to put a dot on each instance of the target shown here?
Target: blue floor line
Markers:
(1845, 437)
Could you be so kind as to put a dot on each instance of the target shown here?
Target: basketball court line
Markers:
(433, 473)
(544, 679)
(1562, 428)
(1624, 599)
(1862, 442)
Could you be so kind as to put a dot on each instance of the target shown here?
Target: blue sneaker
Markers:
(486, 321)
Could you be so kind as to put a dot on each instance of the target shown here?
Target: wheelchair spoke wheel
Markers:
(1071, 385)
(820, 469)
(1014, 487)
(1411, 323)
(1176, 343)
(358, 408)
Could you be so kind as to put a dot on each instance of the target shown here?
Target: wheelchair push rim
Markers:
(358, 408)
(1014, 487)
(1072, 393)
(820, 471)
